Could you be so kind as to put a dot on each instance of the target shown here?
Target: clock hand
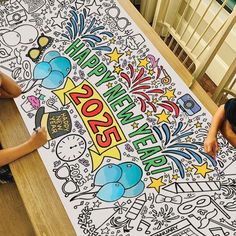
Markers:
(71, 147)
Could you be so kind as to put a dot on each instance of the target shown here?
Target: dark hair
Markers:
(230, 112)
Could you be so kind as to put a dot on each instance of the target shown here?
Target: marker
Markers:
(36, 130)
(213, 150)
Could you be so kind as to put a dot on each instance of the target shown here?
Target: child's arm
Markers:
(8, 87)
(210, 144)
(11, 154)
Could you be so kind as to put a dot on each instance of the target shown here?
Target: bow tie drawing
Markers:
(176, 199)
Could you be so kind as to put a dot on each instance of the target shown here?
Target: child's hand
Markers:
(211, 146)
(39, 138)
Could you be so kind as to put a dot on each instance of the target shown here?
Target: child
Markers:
(9, 89)
(224, 120)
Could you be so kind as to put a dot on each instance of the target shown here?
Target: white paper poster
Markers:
(125, 134)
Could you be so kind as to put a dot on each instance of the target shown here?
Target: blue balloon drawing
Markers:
(113, 182)
(51, 72)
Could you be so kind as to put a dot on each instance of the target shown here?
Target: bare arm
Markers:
(217, 121)
(210, 144)
(11, 154)
(8, 87)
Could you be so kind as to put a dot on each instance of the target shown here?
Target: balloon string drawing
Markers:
(125, 135)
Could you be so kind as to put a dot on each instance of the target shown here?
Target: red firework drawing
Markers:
(142, 89)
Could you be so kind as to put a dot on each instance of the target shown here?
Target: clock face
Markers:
(71, 147)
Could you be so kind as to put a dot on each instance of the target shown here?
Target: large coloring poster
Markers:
(125, 134)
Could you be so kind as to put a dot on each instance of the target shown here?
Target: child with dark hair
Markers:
(230, 113)
(9, 89)
(225, 121)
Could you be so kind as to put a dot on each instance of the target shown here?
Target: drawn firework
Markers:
(130, 216)
(141, 88)
(174, 147)
(90, 33)
(165, 215)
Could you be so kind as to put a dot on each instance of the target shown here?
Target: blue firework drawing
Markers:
(175, 149)
(89, 32)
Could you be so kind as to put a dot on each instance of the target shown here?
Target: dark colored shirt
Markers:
(230, 112)
(5, 175)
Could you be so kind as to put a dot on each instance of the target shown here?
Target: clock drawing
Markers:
(71, 147)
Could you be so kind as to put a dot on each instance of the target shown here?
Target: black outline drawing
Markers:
(76, 150)
(142, 78)
(179, 229)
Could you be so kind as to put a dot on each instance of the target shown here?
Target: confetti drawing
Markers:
(125, 134)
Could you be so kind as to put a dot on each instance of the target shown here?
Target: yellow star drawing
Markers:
(198, 125)
(143, 62)
(189, 169)
(151, 71)
(117, 69)
(175, 177)
(169, 94)
(148, 113)
(114, 55)
(202, 169)
(162, 117)
(134, 125)
(109, 85)
(188, 139)
(153, 82)
(112, 40)
(156, 183)
(128, 53)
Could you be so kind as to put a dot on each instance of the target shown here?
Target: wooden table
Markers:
(42, 203)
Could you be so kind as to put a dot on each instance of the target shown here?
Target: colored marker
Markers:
(213, 150)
